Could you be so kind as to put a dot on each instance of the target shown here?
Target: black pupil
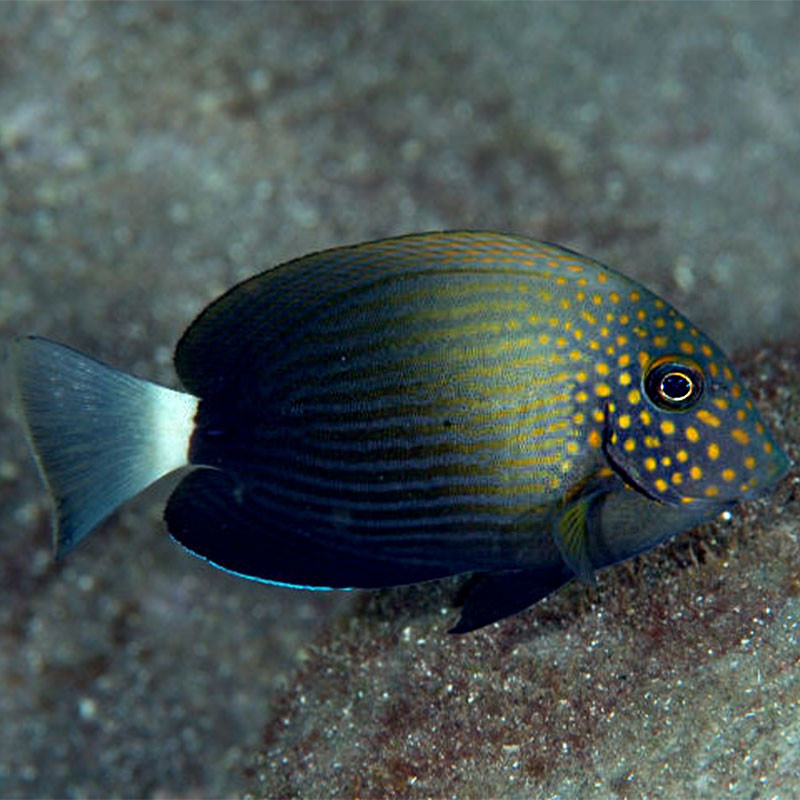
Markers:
(676, 387)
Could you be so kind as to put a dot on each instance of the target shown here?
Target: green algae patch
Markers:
(678, 676)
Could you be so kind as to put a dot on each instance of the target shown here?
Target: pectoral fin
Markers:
(571, 531)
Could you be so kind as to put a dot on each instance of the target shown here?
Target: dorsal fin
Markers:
(257, 315)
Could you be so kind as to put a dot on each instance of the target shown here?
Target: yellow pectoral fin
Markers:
(571, 535)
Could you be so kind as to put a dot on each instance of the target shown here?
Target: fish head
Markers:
(687, 431)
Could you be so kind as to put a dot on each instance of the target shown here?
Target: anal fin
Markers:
(242, 525)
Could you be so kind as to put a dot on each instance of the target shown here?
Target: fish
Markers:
(408, 409)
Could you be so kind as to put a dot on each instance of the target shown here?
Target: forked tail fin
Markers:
(100, 436)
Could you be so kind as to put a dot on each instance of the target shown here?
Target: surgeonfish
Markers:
(408, 409)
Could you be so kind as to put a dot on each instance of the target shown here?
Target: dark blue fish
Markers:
(408, 409)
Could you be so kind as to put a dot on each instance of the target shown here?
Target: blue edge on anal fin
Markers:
(218, 518)
(233, 524)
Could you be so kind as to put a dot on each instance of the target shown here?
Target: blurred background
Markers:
(151, 155)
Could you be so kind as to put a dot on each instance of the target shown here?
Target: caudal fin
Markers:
(100, 436)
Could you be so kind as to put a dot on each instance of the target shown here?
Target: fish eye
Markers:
(673, 385)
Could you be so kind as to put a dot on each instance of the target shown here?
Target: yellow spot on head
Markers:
(634, 297)
(741, 414)
(705, 416)
(711, 491)
(661, 485)
(750, 462)
(736, 390)
(598, 415)
(602, 368)
(601, 277)
(630, 445)
(767, 447)
(659, 322)
(696, 473)
(624, 421)
(561, 341)
(728, 475)
(726, 371)
(691, 434)
(652, 442)
(634, 396)
(624, 360)
(650, 464)
(721, 403)
(660, 341)
(641, 314)
(677, 478)
(578, 334)
(759, 428)
(713, 451)
(564, 303)
(597, 299)
(543, 338)
(706, 350)
(602, 390)
(682, 456)
(740, 436)
(573, 447)
(666, 461)
(614, 297)
(610, 350)
(595, 440)
(581, 397)
(581, 376)
(622, 341)
(645, 417)
(644, 358)
(713, 369)
(686, 347)
(660, 303)
(625, 379)
(575, 355)
(667, 427)
(679, 324)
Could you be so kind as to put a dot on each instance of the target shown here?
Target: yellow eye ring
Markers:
(676, 387)
(673, 383)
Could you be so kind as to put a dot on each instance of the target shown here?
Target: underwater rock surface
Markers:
(678, 677)
(151, 155)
